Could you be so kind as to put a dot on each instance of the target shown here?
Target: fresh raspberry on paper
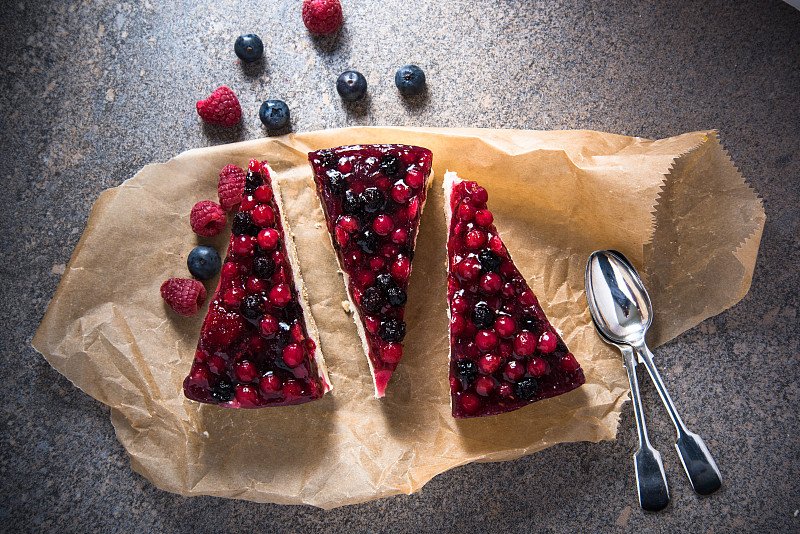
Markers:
(184, 295)
(207, 218)
(222, 107)
(322, 16)
(230, 186)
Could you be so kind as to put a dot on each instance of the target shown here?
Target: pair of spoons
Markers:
(622, 312)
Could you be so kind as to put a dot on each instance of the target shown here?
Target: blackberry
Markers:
(352, 203)
(372, 199)
(252, 180)
(243, 224)
(253, 306)
(337, 181)
(489, 261)
(392, 330)
(467, 370)
(390, 164)
(384, 282)
(526, 388)
(328, 159)
(482, 315)
(372, 300)
(223, 390)
(367, 241)
(396, 296)
(264, 267)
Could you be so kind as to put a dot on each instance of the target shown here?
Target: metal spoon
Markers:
(651, 482)
(622, 312)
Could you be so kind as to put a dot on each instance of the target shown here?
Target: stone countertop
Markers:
(93, 91)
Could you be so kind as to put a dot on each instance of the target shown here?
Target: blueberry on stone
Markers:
(249, 47)
(351, 86)
(253, 306)
(274, 114)
(243, 224)
(372, 300)
(526, 388)
(396, 296)
(410, 80)
(223, 390)
(467, 370)
(489, 261)
(482, 315)
(367, 241)
(336, 181)
(372, 199)
(264, 267)
(203, 262)
(392, 330)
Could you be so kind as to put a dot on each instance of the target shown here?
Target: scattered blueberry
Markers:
(249, 47)
(351, 86)
(274, 114)
(203, 262)
(410, 80)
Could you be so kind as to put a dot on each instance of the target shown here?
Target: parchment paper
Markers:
(676, 207)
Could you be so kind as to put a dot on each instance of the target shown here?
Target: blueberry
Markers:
(328, 159)
(396, 296)
(467, 370)
(489, 261)
(351, 86)
(253, 306)
(223, 390)
(368, 241)
(203, 262)
(372, 199)
(372, 300)
(274, 114)
(249, 47)
(352, 203)
(252, 180)
(392, 330)
(482, 315)
(337, 181)
(528, 322)
(410, 80)
(264, 267)
(526, 388)
(390, 164)
(384, 282)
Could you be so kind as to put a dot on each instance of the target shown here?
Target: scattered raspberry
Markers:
(222, 107)
(322, 16)
(207, 218)
(230, 186)
(184, 295)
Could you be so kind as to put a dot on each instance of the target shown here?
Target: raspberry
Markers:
(322, 16)
(222, 107)
(184, 295)
(230, 186)
(207, 218)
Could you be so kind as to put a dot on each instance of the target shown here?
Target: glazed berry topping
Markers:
(372, 197)
(254, 340)
(496, 320)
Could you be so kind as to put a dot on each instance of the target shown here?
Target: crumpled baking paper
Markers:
(676, 207)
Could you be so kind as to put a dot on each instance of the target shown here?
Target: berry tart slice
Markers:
(259, 345)
(504, 353)
(372, 197)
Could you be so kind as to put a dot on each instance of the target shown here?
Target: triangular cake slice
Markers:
(259, 344)
(504, 353)
(372, 197)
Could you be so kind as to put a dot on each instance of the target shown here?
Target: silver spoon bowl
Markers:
(622, 313)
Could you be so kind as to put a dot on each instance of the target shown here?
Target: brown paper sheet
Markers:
(677, 207)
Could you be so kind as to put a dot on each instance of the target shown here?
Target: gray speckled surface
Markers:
(92, 91)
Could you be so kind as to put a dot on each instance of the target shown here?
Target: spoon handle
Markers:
(650, 478)
(697, 461)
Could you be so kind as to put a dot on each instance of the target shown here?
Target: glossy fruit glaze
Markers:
(505, 354)
(254, 348)
(372, 197)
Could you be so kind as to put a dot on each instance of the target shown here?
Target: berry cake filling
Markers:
(372, 197)
(504, 353)
(258, 344)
